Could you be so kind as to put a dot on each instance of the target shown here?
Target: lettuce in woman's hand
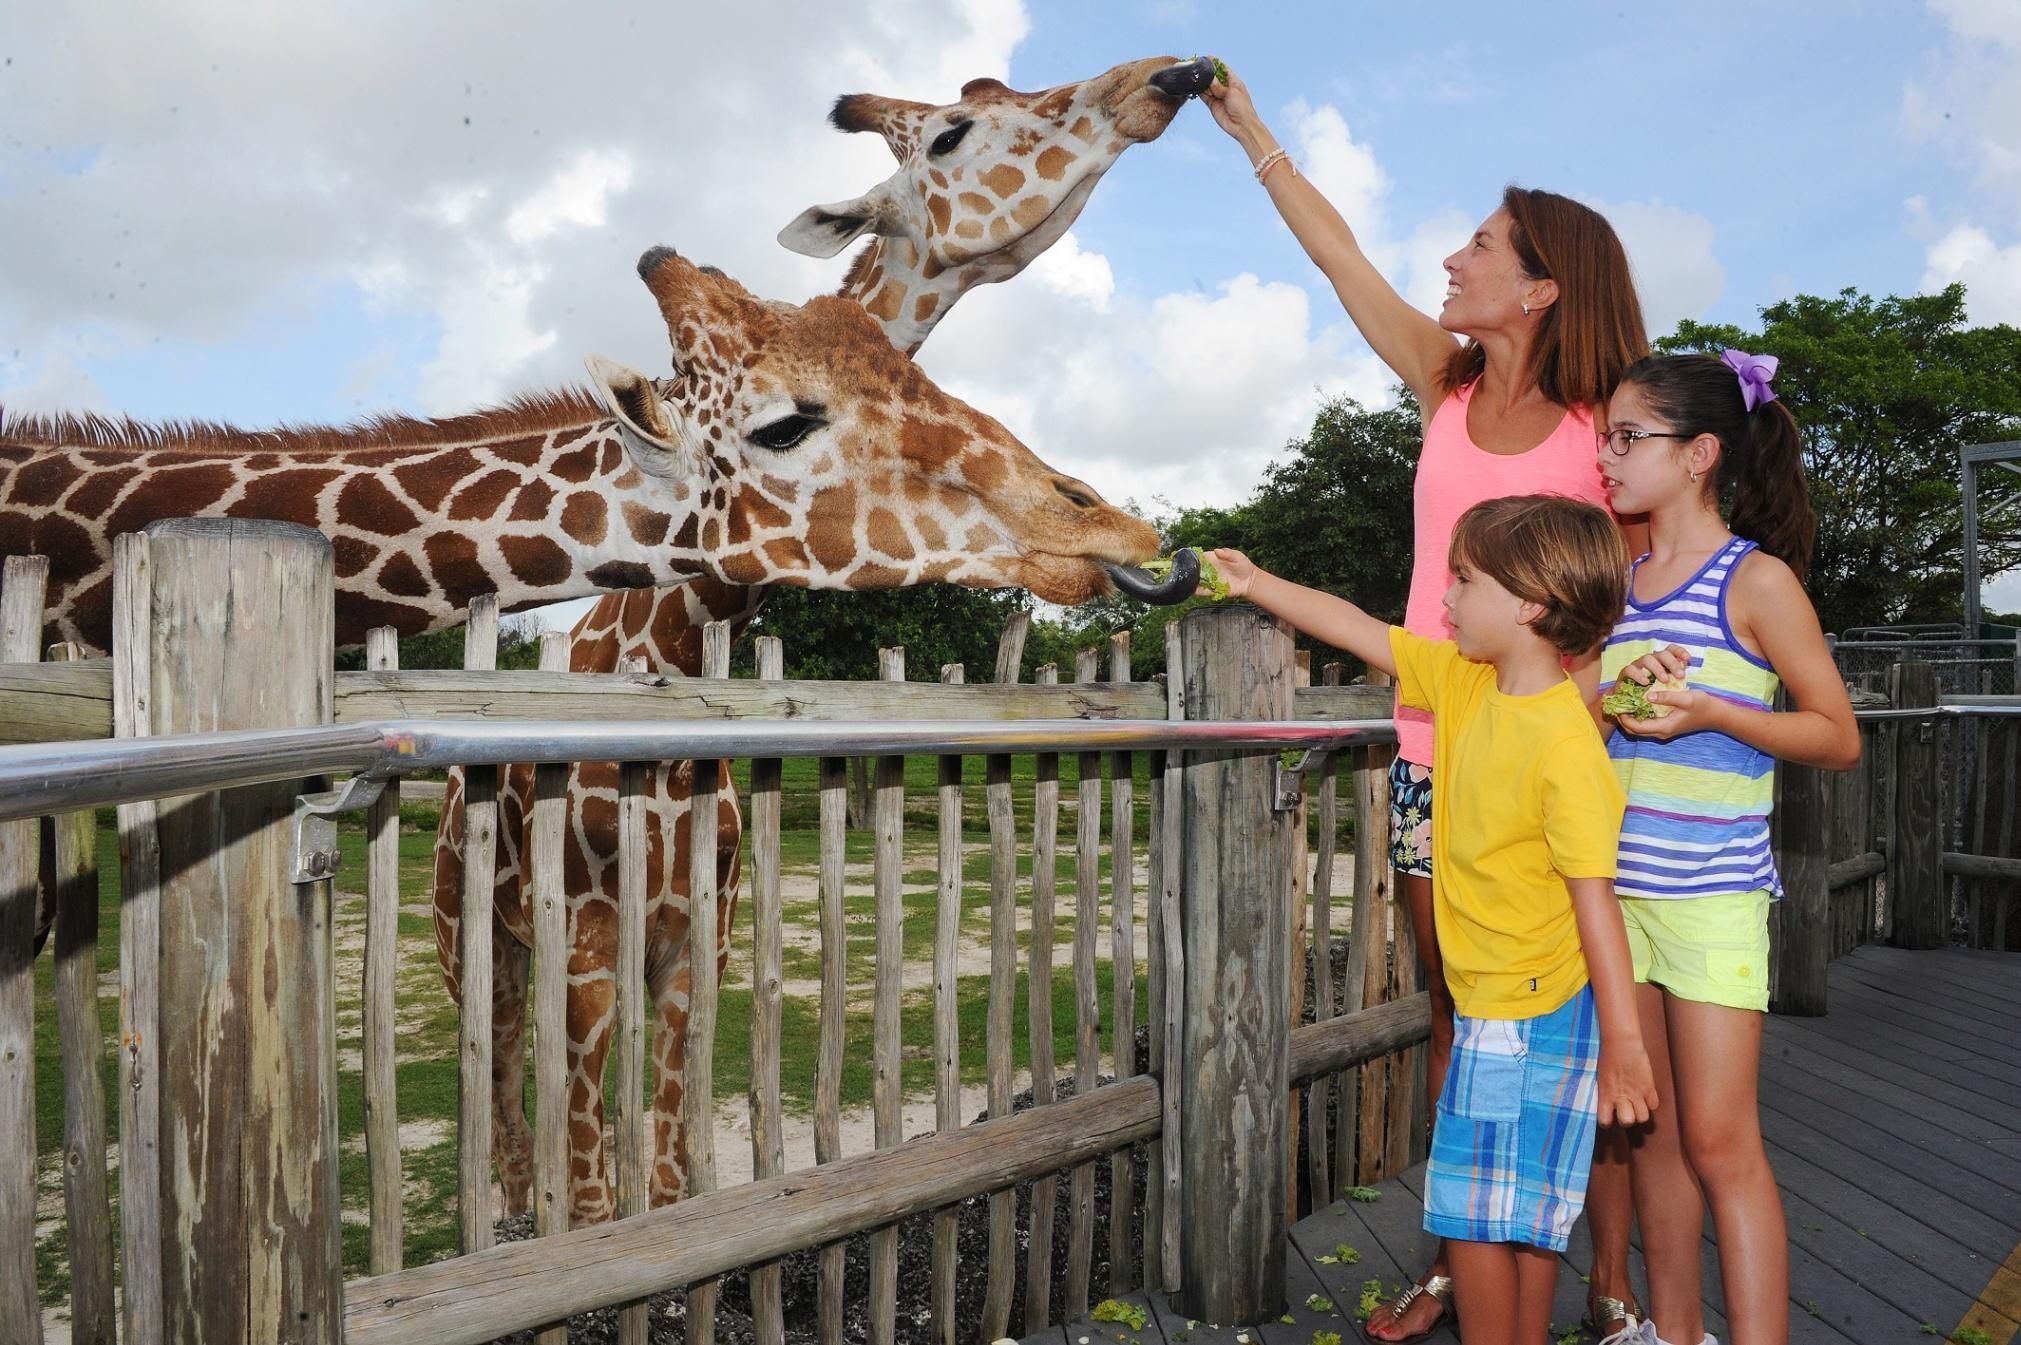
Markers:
(1630, 699)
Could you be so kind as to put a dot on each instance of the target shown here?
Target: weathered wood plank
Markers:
(386, 1202)
(1301, 890)
(705, 946)
(55, 702)
(505, 696)
(947, 1019)
(1087, 1003)
(887, 1087)
(477, 1298)
(22, 595)
(1168, 1020)
(86, 1202)
(1802, 929)
(768, 1141)
(1318, 1147)
(1039, 1015)
(140, 1241)
(628, 1121)
(1916, 879)
(243, 614)
(834, 1020)
(1238, 664)
(1003, 864)
(548, 900)
(474, 967)
(1981, 866)
(1122, 976)
(1368, 956)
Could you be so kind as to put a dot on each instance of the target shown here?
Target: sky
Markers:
(309, 214)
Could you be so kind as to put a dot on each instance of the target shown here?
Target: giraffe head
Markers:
(812, 452)
(998, 175)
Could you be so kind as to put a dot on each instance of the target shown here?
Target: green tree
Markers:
(1887, 392)
(518, 648)
(835, 633)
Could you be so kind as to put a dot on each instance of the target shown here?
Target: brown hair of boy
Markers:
(1565, 555)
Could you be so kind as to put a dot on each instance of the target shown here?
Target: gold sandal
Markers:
(1610, 1319)
(1438, 1287)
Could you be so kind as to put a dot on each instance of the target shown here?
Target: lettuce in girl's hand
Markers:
(1630, 699)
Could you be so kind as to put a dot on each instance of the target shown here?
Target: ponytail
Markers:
(1760, 479)
(1770, 500)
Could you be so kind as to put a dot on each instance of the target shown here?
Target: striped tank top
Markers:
(1698, 805)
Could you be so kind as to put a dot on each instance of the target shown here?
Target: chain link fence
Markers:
(1963, 667)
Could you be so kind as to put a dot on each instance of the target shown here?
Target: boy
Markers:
(1524, 840)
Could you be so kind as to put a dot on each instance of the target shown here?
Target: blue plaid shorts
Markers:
(1513, 1143)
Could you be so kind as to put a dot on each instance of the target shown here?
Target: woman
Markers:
(1539, 321)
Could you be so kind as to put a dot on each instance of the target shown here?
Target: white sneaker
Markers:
(1642, 1333)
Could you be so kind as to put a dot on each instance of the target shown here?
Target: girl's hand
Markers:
(1668, 664)
(1237, 570)
(1627, 1087)
(1690, 712)
(1231, 106)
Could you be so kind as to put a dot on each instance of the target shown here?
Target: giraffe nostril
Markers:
(1076, 494)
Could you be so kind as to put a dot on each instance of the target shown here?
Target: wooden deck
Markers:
(1894, 1125)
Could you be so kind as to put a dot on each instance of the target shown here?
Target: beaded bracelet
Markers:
(1271, 160)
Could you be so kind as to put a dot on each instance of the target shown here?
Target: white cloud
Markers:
(1670, 250)
(1991, 273)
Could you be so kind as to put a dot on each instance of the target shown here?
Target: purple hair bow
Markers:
(1755, 372)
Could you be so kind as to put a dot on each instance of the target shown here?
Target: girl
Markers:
(1717, 614)
(1539, 320)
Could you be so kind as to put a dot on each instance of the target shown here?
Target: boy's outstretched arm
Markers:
(1627, 1085)
(1321, 615)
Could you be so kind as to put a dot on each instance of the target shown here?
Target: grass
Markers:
(426, 1070)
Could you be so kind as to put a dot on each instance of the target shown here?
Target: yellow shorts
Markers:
(1710, 949)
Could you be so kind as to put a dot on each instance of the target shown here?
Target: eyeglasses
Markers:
(1618, 442)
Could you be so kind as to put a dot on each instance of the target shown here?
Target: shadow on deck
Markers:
(1894, 1125)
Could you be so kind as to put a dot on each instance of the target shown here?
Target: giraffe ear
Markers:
(824, 230)
(650, 428)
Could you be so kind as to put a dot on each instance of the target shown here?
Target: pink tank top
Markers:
(1453, 475)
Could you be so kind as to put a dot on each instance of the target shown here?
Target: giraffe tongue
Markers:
(1174, 587)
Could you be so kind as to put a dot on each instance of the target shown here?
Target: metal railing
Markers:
(59, 777)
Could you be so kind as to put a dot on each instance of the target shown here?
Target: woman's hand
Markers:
(1236, 570)
(1235, 113)
(1626, 1086)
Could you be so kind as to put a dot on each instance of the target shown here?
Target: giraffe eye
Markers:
(785, 432)
(945, 142)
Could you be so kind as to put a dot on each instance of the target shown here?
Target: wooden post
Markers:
(768, 1144)
(549, 902)
(1802, 926)
(1235, 897)
(241, 639)
(87, 1208)
(474, 948)
(22, 595)
(1915, 861)
(385, 1202)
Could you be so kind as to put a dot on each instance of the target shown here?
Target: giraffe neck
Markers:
(537, 503)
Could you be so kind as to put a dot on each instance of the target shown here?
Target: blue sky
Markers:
(233, 212)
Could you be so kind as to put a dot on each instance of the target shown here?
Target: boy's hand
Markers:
(1627, 1087)
(1236, 569)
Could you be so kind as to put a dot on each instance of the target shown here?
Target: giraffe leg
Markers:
(670, 1061)
(448, 895)
(511, 1135)
(592, 1015)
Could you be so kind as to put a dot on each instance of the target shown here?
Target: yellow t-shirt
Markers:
(1523, 797)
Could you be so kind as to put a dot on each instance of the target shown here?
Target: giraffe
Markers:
(983, 186)
(788, 433)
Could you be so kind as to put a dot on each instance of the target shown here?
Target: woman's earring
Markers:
(1694, 478)
(1526, 310)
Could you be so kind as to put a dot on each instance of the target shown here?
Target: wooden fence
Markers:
(227, 1044)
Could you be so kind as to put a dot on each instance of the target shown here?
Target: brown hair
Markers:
(1594, 330)
(1760, 477)
(1564, 554)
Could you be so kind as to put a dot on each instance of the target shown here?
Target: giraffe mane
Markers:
(859, 266)
(531, 413)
